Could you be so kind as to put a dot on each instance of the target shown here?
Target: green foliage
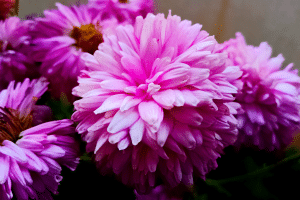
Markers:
(62, 109)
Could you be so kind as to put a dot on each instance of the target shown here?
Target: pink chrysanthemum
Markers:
(123, 10)
(268, 95)
(31, 156)
(5, 7)
(157, 100)
(61, 38)
(15, 62)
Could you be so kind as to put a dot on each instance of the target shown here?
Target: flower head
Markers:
(15, 62)
(268, 95)
(156, 99)
(123, 10)
(31, 151)
(61, 38)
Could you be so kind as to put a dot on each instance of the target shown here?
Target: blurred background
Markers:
(274, 21)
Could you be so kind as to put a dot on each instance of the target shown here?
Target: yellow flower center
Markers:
(12, 124)
(123, 1)
(87, 38)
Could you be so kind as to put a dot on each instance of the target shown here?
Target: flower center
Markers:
(87, 38)
(123, 1)
(12, 124)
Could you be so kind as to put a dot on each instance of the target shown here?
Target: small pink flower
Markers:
(61, 37)
(268, 95)
(31, 155)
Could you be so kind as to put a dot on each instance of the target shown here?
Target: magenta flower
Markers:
(61, 38)
(31, 156)
(268, 95)
(15, 62)
(123, 10)
(157, 101)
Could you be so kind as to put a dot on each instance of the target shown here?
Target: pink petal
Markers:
(187, 115)
(182, 134)
(179, 98)
(115, 138)
(254, 113)
(165, 98)
(123, 120)
(124, 143)
(4, 168)
(102, 139)
(53, 151)
(151, 113)
(190, 98)
(16, 172)
(111, 103)
(129, 102)
(108, 63)
(136, 131)
(286, 88)
(115, 85)
(134, 67)
(164, 131)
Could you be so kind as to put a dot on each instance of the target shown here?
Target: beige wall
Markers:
(274, 21)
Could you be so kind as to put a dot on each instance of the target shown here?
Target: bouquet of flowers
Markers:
(139, 105)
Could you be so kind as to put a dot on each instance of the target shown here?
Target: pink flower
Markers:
(123, 10)
(60, 38)
(31, 156)
(15, 45)
(157, 101)
(268, 95)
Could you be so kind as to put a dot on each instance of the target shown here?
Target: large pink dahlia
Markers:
(157, 101)
(15, 61)
(268, 95)
(60, 39)
(123, 10)
(31, 155)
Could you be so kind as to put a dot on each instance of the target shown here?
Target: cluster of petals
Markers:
(157, 102)
(269, 95)
(123, 10)
(15, 61)
(55, 48)
(30, 166)
(5, 7)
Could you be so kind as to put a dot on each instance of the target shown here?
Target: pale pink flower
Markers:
(60, 38)
(31, 155)
(269, 96)
(156, 100)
